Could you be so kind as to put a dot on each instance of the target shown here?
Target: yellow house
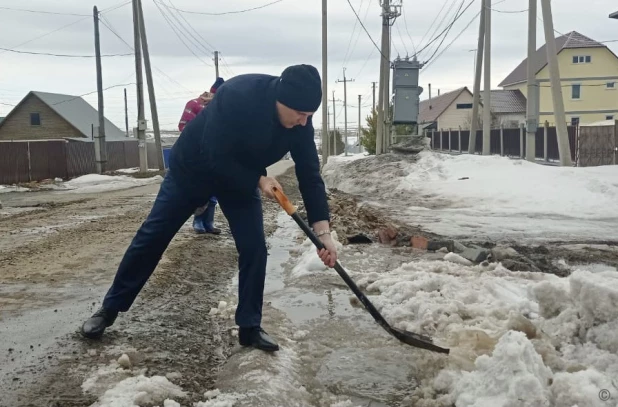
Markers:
(589, 76)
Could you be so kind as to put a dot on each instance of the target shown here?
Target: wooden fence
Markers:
(25, 161)
(506, 142)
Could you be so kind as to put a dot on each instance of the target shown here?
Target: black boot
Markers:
(258, 338)
(94, 327)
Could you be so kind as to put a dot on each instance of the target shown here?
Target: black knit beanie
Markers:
(300, 88)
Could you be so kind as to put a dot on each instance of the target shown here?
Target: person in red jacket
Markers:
(203, 217)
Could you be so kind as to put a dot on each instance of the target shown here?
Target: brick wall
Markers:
(18, 127)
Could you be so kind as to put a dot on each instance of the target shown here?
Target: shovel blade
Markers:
(416, 340)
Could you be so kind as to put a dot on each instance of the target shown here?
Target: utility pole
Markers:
(533, 87)
(487, 82)
(374, 95)
(477, 82)
(140, 130)
(151, 91)
(564, 148)
(345, 110)
(126, 112)
(216, 59)
(389, 14)
(334, 127)
(325, 138)
(360, 133)
(100, 145)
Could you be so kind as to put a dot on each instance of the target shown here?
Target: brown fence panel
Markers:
(13, 162)
(80, 159)
(131, 154)
(47, 160)
(115, 155)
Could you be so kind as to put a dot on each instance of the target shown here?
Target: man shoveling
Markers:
(250, 124)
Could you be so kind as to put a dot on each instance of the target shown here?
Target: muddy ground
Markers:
(57, 262)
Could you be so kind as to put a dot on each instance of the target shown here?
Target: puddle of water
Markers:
(302, 306)
(280, 244)
(384, 374)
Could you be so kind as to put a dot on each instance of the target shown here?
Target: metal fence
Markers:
(509, 142)
(26, 161)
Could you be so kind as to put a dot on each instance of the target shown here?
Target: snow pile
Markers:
(94, 183)
(215, 398)
(486, 196)
(514, 372)
(309, 262)
(134, 170)
(141, 390)
(117, 385)
(527, 339)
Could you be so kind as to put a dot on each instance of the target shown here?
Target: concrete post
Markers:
(522, 128)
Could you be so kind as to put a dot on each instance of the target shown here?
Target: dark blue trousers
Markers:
(171, 209)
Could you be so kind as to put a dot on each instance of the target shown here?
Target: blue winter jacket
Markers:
(227, 147)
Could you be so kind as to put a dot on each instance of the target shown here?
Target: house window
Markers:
(610, 85)
(574, 121)
(464, 105)
(35, 119)
(582, 59)
(610, 117)
(576, 91)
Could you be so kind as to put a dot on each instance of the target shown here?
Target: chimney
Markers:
(430, 107)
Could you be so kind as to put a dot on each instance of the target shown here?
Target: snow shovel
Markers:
(406, 337)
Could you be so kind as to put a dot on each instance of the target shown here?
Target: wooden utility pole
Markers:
(325, 138)
(532, 121)
(477, 83)
(140, 130)
(100, 148)
(360, 133)
(126, 112)
(151, 91)
(374, 95)
(345, 110)
(487, 82)
(216, 59)
(334, 127)
(564, 148)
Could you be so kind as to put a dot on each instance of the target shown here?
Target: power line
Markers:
(178, 35)
(508, 11)
(367, 32)
(107, 24)
(405, 21)
(182, 28)
(189, 24)
(454, 39)
(431, 25)
(451, 6)
(94, 91)
(43, 12)
(107, 10)
(401, 38)
(347, 51)
(447, 28)
(228, 12)
(446, 34)
(61, 55)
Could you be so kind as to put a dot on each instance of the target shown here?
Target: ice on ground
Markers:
(12, 188)
(94, 183)
(489, 196)
(134, 170)
(509, 332)
(141, 390)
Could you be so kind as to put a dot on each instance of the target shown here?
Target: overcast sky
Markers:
(265, 40)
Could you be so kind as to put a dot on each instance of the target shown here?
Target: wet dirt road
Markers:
(58, 255)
